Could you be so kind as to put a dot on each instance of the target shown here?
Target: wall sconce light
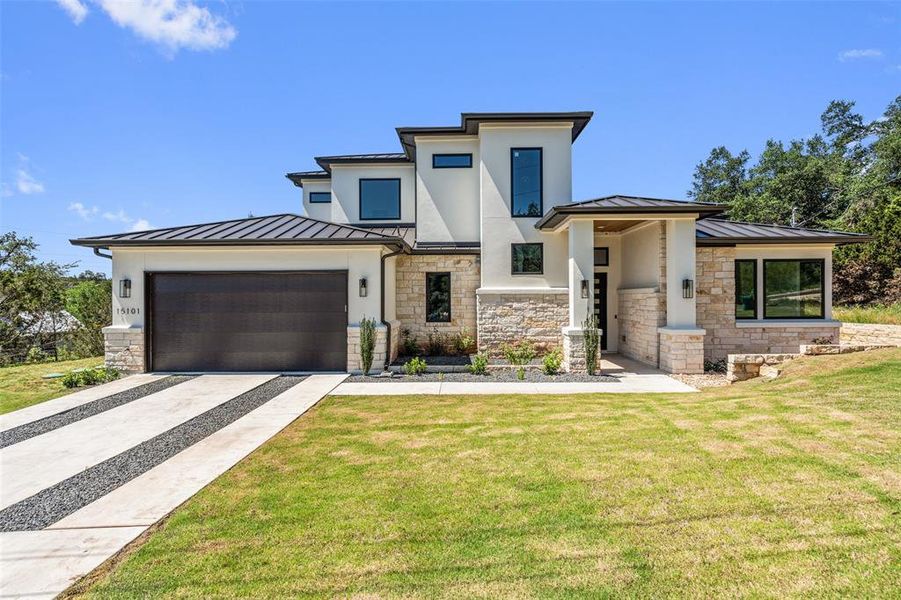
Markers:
(125, 288)
(363, 287)
(584, 288)
(688, 288)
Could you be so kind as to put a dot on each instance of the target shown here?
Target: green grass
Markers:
(887, 314)
(763, 489)
(22, 385)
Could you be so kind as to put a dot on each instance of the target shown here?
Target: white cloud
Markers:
(83, 211)
(141, 225)
(859, 53)
(121, 216)
(76, 9)
(27, 184)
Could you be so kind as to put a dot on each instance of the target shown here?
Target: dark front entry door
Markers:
(600, 305)
(293, 321)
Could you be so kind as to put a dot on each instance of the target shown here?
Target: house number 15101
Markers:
(128, 311)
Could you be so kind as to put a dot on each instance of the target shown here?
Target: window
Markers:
(525, 186)
(320, 197)
(793, 289)
(438, 297)
(379, 199)
(528, 259)
(602, 257)
(746, 289)
(452, 161)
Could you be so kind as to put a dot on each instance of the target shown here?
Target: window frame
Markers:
(513, 259)
(360, 198)
(466, 154)
(311, 201)
(606, 262)
(753, 261)
(450, 283)
(822, 262)
(540, 184)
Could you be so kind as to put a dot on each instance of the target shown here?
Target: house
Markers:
(471, 227)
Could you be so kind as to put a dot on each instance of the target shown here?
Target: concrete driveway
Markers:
(83, 475)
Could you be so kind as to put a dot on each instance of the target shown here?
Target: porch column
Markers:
(580, 267)
(681, 341)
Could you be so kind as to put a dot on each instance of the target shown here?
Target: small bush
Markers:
(415, 366)
(551, 362)
(715, 366)
(825, 340)
(592, 339)
(479, 364)
(367, 343)
(437, 344)
(71, 379)
(82, 377)
(409, 346)
(521, 373)
(90, 377)
(35, 355)
(463, 343)
(520, 353)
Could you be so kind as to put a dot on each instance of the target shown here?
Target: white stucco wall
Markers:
(498, 228)
(358, 261)
(346, 191)
(318, 210)
(447, 199)
(640, 257)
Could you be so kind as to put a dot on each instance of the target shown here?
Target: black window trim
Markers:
(450, 297)
(756, 294)
(329, 201)
(513, 270)
(540, 186)
(360, 199)
(822, 314)
(596, 263)
(469, 166)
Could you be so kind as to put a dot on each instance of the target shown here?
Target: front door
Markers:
(600, 305)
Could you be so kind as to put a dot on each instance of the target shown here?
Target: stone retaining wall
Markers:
(748, 366)
(641, 312)
(123, 348)
(870, 333)
(510, 317)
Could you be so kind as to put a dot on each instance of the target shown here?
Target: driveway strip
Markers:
(88, 409)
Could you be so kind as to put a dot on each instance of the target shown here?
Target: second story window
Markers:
(451, 161)
(379, 199)
(320, 197)
(525, 186)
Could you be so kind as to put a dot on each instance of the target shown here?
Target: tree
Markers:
(90, 301)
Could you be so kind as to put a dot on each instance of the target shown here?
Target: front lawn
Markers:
(887, 314)
(23, 385)
(783, 488)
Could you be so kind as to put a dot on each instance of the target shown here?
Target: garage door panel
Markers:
(248, 321)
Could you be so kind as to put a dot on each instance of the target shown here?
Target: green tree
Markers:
(90, 301)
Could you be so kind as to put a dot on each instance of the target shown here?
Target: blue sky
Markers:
(117, 116)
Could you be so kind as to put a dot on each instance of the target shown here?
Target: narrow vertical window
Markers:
(438, 297)
(526, 181)
(746, 289)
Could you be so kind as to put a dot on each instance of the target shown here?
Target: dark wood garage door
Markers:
(293, 321)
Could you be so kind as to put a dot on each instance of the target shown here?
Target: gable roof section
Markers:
(284, 229)
(611, 205)
(470, 122)
(722, 232)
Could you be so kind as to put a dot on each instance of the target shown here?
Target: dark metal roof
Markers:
(299, 176)
(722, 232)
(625, 204)
(404, 231)
(326, 162)
(469, 124)
(284, 229)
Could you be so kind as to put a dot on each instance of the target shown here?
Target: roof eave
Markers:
(558, 214)
(838, 240)
(399, 243)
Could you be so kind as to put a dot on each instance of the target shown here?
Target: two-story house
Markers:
(469, 227)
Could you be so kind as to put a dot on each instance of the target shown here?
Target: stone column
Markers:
(580, 267)
(681, 342)
(123, 348)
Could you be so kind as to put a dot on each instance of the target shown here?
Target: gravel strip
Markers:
(58, 501)
(88, 409)
(705, 380)
(505, 376)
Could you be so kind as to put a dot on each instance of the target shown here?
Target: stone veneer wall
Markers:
(641, 312)
(505, 318)
(123, 348)
(353, 349)
(715, 297)
(681, 352)
(465, 273)
(871, 333)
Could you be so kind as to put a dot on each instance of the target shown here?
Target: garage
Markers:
(249, 321)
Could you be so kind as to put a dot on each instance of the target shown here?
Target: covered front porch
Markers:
(631, 263)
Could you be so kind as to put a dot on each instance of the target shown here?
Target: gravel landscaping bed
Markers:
(58, 501)
(437, 361)
(500, 375)
(705, 380)
(88, 409)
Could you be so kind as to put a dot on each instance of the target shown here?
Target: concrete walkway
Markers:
(41, 564)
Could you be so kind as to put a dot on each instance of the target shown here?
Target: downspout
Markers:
(101, 254)
(382, 310)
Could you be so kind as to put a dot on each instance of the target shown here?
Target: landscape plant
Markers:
(415, 366)
(591, 337)
(551, 362)
(409, 345)
(437, 343)
(89, 376)
(519, 353)
(479, 365)
(367, 343)
(463, 343)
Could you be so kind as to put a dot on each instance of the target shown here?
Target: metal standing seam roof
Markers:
(326, 162)
(626, 204)
(287, 229)
(298, 177)
(717, 231)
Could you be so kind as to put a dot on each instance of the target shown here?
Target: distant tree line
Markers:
(846, 177)
(46, 314)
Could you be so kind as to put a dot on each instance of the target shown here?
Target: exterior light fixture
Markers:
(584, 288)
(688, 288)
(125, 288)
(363, 287)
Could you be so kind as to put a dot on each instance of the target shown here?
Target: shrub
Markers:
(551, 362)
(715, 366)
(437, 344)
(367, 343)
(520, 353)
(415, 366)
(521, 373)
(71, 379)
(80, 377)
(825, 340)
(479, 364)
(90, 376)
(463, 343)
(36, 355)
(409, 347)
(592, 339)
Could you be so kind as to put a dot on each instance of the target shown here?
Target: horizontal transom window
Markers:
(451, 161)
(320, 197)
